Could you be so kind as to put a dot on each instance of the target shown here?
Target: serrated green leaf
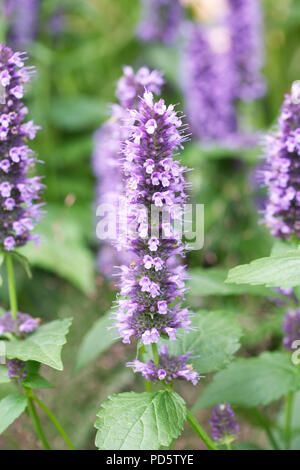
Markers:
(252, 382)
(212, 344)
(97, 340)
(36, 381)
(212, 282)
(4, 375)
(275, 271)
(44, 345)
(11, 407)
(140, 421)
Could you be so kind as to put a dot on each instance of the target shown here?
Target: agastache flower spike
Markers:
(281, 174)
(245, 22)
(19, 193)
(152, 286)
(106, 156)
(168, 368)
(160, 20)
(225, 429)
(22, 18)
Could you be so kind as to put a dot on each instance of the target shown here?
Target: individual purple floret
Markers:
(246, 25)
(160, 20)
(19, 193)
(224, 426)
(168, 368)
(21, 326)
(209, 97)
(16, 370)
(281, 174)
(22, 19)
(106, 156)
(153, 289)
(291, 328)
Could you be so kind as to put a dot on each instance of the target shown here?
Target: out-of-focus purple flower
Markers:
(19, 193)
(281, 174)
(288, 293)
(16, 370)
(221, 64)
(106, 156)
(22, 18)
(224, 426)
(160, 20)
(247, 49)
(208, 81)
(20, 326)
(291, 328)
(168, 368)
(152, 290)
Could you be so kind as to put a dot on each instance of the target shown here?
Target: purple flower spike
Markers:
(281, 174)
(209, 97)
(22, 17)
(245, 21)
(106, 157)
(160, 20)
(16, 370)
(291, 328)
(19, 193)
(153, 287)
(225, 429)
(168, 368)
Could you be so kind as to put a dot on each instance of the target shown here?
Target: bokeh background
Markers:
(77, 70)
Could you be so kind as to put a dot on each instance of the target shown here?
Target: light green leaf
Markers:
(213, 343)
(44, 345)
(36, 381)
(212, 282)
(252, 382)
(62, 249)
(97, 340)
(275, 271)
(140, 421)
(11, 407)
(4, 375)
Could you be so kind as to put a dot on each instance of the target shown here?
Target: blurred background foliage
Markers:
(76, 77)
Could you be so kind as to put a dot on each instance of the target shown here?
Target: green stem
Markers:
(271, 438)
(228, 446)
(200, 431)
(11, 286)
(36, 421)
(155, 354)
(288, 419)
(54, 421)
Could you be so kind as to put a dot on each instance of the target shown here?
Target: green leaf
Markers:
(62, 249)
(36, 381)
(252, 382)
(212, 282)
(44, 345)
(11, 407)
(140, 421)
(97, 340)
(275, 271)
(4, 375)
(213, 343)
